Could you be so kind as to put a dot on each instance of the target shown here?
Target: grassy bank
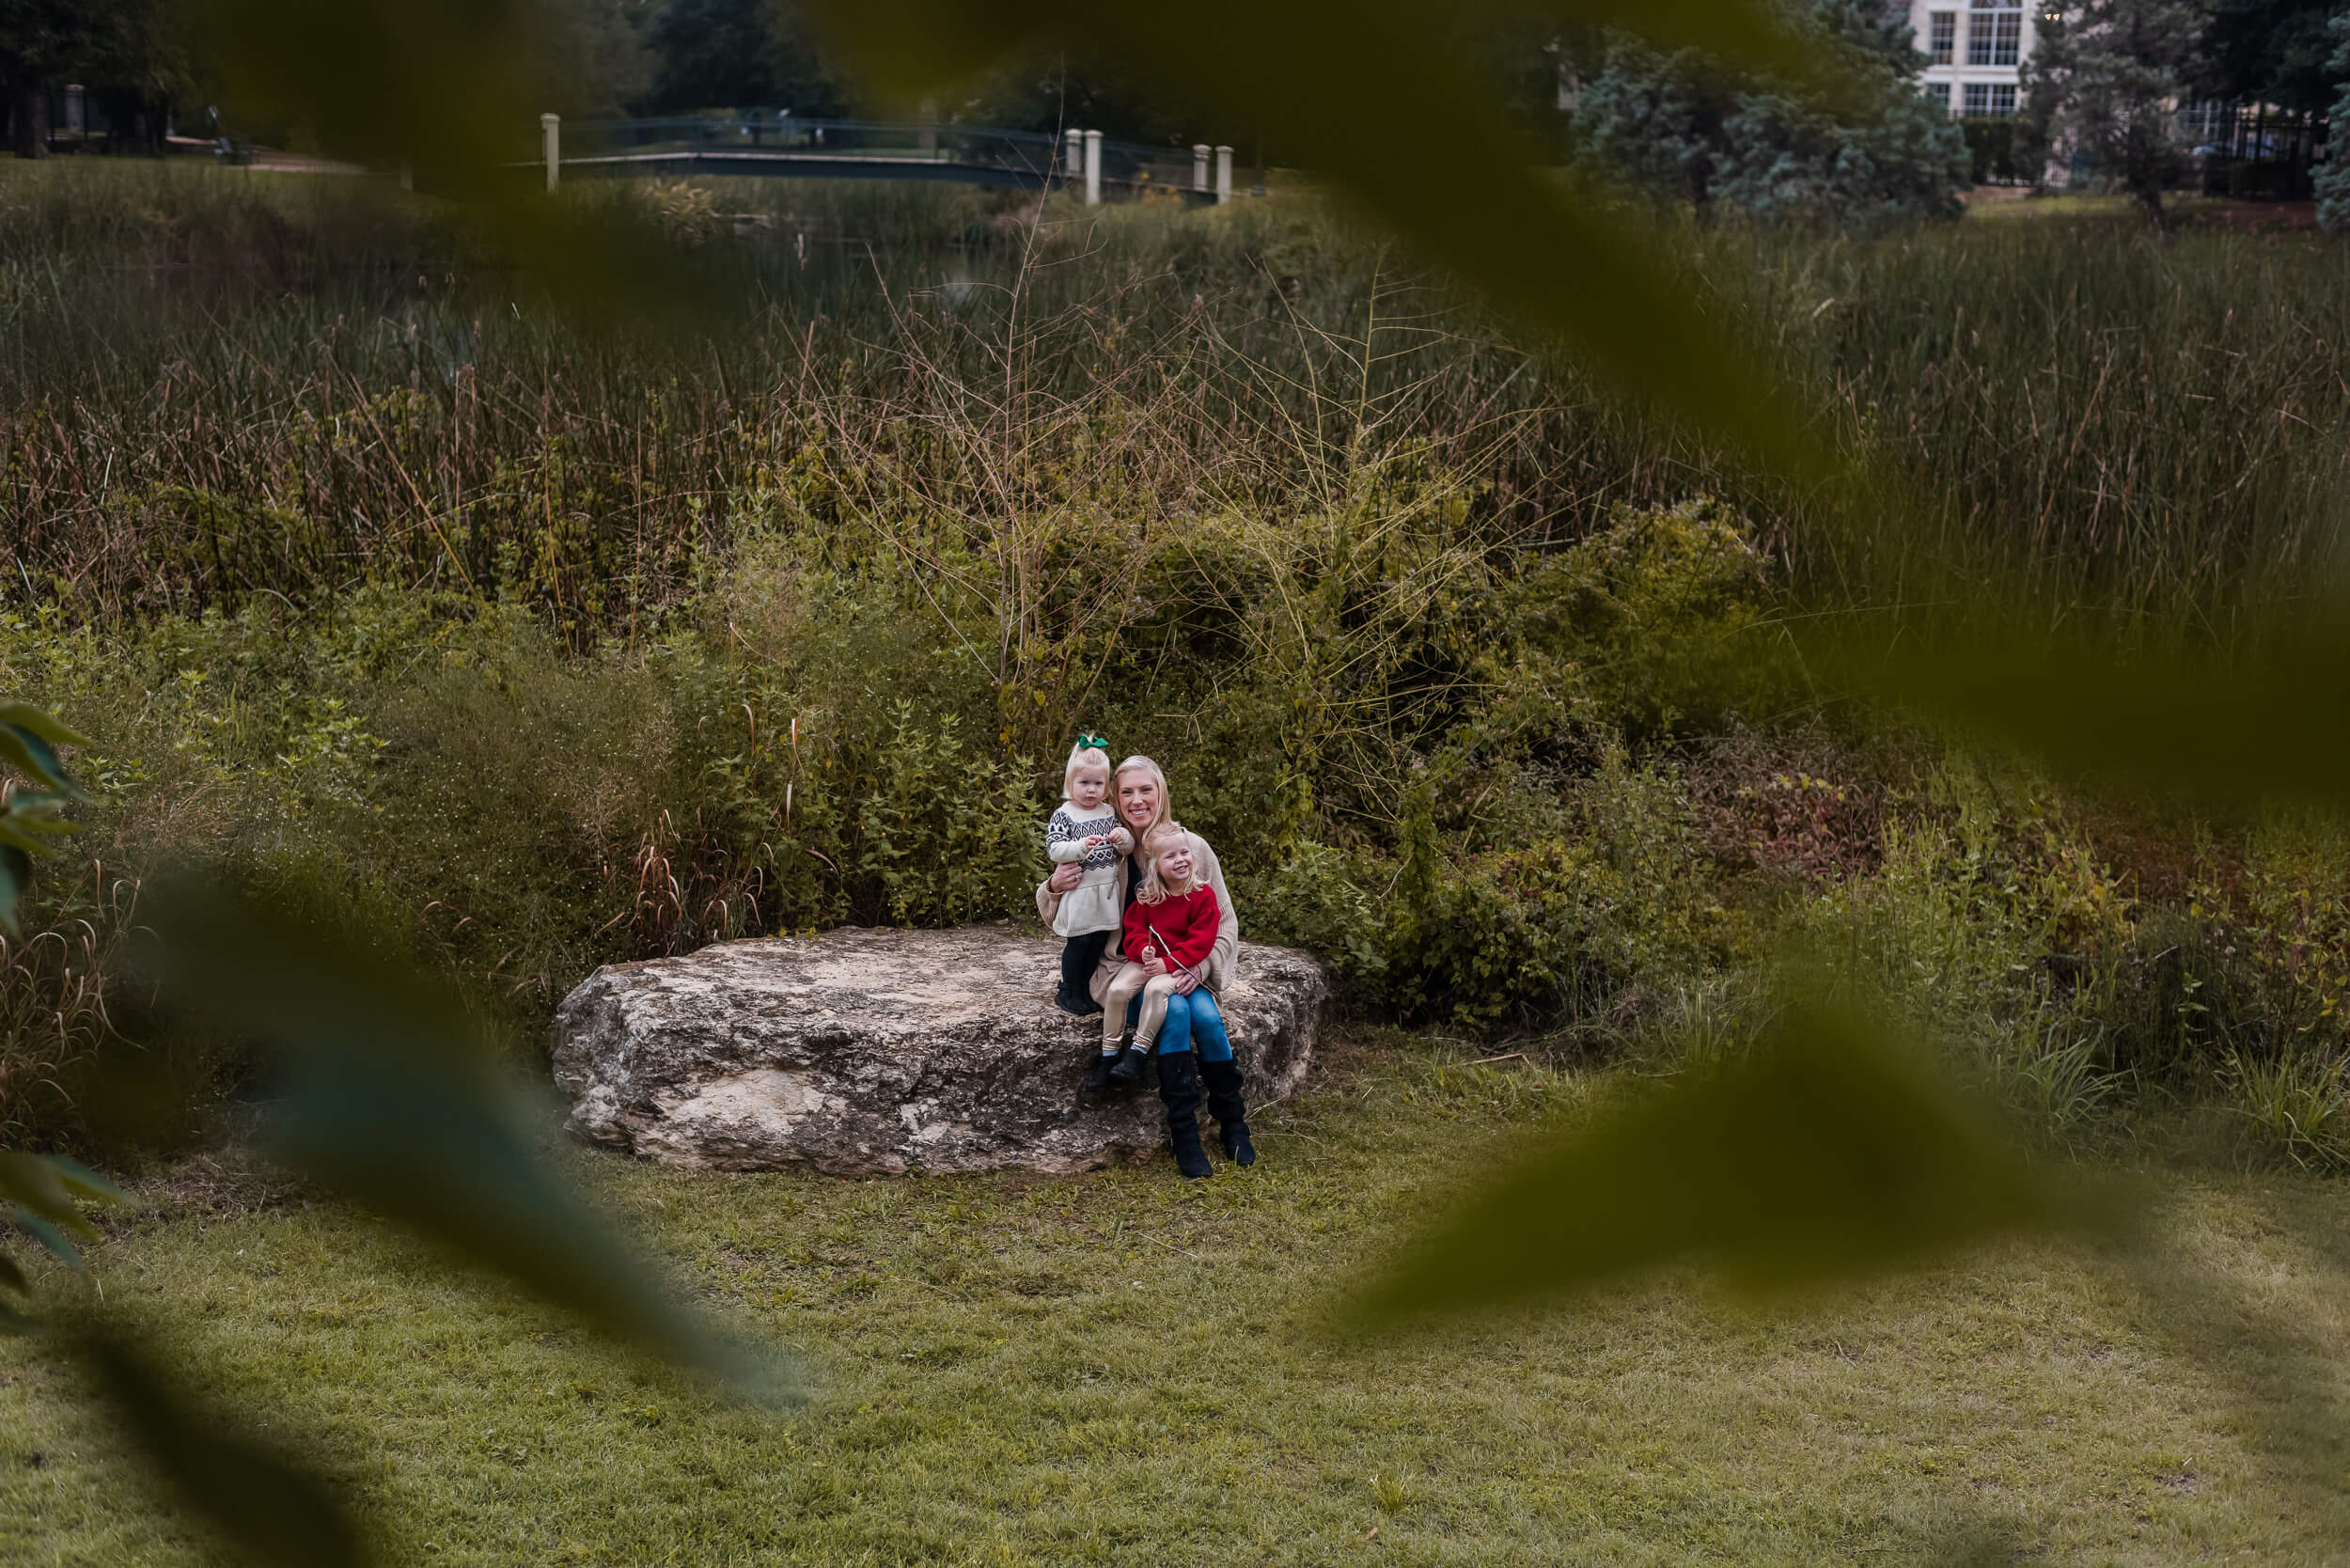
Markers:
(217, 385)
(1119, 1370)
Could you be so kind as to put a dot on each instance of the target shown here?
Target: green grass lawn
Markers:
(1129, 1369)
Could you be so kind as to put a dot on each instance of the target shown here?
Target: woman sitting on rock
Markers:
(1193, 1051)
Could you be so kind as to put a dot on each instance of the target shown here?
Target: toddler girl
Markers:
(1173, 918)
(1085, 830)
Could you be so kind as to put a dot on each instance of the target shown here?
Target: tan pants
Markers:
(1155, 989)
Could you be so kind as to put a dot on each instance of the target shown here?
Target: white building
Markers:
(1974, 51)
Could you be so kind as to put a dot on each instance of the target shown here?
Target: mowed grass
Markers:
(1127, 1369)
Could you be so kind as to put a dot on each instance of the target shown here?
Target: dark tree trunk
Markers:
(28, 118)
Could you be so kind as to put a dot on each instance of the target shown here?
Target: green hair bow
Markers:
(1092, 743)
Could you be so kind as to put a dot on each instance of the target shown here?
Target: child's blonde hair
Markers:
(1087, 753)
(1153, 888)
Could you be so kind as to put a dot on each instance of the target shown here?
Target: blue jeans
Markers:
(1194, 1023)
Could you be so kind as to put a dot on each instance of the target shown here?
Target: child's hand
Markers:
(1122, 840)
(1149, 953)
(1096, 842)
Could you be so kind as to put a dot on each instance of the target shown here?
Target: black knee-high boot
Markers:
(1178, 1091)
(1229, 1111)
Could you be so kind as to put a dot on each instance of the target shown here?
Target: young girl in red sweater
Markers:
(1169, 930)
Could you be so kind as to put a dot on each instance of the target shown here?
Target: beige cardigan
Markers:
(1223, 959)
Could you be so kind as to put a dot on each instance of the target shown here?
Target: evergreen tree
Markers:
(2333, 175)
(2278, 51)
(739, 55)
(1679, 125)
(2107, 76)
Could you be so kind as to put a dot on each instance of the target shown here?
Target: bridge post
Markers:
(1199, 151)
(551, 133)
(1093, 168)
(1223, 175)
(1072, 162)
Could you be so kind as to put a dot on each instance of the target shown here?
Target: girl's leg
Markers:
(1147, 1008)
(1162, 1017)
(1125, 990)
(1079, 957)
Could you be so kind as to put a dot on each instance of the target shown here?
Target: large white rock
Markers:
(863, 1052)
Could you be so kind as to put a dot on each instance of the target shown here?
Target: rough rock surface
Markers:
(865, 1052)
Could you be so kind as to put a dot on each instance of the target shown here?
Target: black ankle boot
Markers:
(1098, 1076)
(1230, 1112)
(1178, 1091)
(1129, 1068)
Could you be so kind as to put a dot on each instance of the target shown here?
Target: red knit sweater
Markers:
(1188, 924)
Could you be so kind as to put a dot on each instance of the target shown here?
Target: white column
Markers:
(1093, 168)
(551, 132)
(1223, 175)
(1199, 151)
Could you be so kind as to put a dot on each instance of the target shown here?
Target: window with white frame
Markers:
(1989, 101)
(1995, 32)
(1942, 38)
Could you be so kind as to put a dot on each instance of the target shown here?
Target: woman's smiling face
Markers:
(1138, 797)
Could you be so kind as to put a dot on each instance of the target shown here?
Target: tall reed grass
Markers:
(217, 383)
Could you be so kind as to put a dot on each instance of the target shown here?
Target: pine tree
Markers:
(1680, 126)
(2333, 175)
(2107, 76)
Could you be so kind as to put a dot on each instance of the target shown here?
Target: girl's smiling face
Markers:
(1086, 787)
(1138, 797)
(1175, 863)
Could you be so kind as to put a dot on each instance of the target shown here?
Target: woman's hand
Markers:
(1185, 984)
(1065, 876)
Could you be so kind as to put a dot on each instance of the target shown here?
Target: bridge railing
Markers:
(773, 143)
(1023, 152)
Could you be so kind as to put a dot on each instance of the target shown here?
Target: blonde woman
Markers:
(1195, 1058)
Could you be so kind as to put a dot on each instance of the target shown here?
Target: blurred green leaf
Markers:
(270, 1505)
(905, 49)
(16, 879)
(911, 48)
(29, 833)
(23, 750)
(1330, 83)
(27, 740)
(39, 1186)
(59, 1244)
(47, 726)
(2272, 723)
(1823, 1155)
(81, 1180)
(393, 1099)
(442, 85)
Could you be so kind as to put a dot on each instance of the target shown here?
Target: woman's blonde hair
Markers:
(1084, 756)
(1158, 836)
(1166, 808)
